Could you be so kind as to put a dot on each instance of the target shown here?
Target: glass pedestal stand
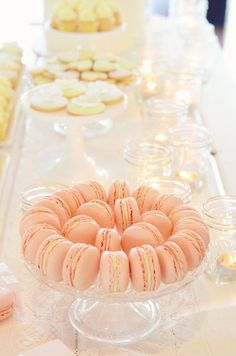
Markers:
(75, 165)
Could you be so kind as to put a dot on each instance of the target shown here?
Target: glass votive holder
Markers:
(171, 186)
(191, 146)
(220, 215)
(147, 159)
(161, 114)
(35, 192)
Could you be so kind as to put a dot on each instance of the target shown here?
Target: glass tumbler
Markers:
(191, 146)
(147, 159)
(161, 114)
(220, 215)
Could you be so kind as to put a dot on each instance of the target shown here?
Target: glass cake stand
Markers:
(116, 318)
(75, 165)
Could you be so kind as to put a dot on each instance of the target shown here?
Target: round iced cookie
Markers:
(69, 56)
(81, 229)
(92, 76)
(114, 271)
(81, 65)
(104, 66)
(76, 107)
(120, 74)
(51, 104)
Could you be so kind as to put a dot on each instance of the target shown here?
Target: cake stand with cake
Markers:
(117, 252)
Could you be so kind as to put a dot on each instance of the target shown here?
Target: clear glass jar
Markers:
(220, 215)
(147, 159)
(171, 186)
(161, 114)
(191, 145)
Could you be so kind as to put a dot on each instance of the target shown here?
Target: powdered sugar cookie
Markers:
(81, 66)
(50, 104)
(80, 108)
(104, 66)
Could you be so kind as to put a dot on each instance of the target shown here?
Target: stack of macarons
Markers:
(119, 238)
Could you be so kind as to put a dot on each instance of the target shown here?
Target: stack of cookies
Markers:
(85, 65)
(85, 16)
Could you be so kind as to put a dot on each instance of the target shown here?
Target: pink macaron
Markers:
(140, 234)
(39, 215)
(114, 271)
(50, 256)
(192, 246)
(32, 239)
(107, 240)
(91, 191)
(6, 303)
(57, 205)
(81, 266)
(160, 221)
(72, 197)
(183, 211)
(172, 261)
(145, 197)
(118, 190)
(194, 224)
(126, 213)
(100, 211)
(145, 268)
(81, 229)
(166, 203)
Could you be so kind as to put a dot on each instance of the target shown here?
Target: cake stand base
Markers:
(113, 322)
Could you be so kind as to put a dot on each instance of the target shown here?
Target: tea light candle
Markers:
(227, 265)
(189, 176)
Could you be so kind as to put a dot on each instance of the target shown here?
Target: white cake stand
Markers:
(118, 318)
(75, 165)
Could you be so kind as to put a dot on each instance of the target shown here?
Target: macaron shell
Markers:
(39, 215)
(57, 205)
(91, 190)
(6, 303)
(108, 240)
(80, 268)
(160, 221)
(72, 197)
(192, 246)
(81, 229)
(183, 211)
(195, 225)
(100, 211)
(53, 260)
(172, 261)
(33, 238)
(118, 190)
(140, 234)
(145, 197)
(166, 203)
(145, 268)
(126, 213)
(114, 271)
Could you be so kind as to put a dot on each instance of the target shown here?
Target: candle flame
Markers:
(228, 260)
(188, 176)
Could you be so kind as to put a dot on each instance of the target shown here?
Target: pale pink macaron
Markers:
(39, 215)
(160, 221)
(145, 197)
(145, 268)
(114, 271)
(172, 261)
(118, 190)
(192, 246)
(6, 303)
(139, 234)
(107, 240)
(32, 239)
(183, 211)
(126, 213)
(81, 229)
(100, 211)
(57, 205)
(166, 203)
(81, 264)
(193, 224)
(91, 190)
(50, 256)
(72, 197)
